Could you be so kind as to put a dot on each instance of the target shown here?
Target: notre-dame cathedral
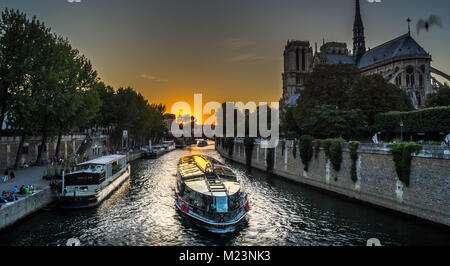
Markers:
(402, 61)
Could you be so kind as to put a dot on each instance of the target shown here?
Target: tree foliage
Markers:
(306, 150)
(326, 85)
(429, 120)
(440, 98)
(48, 88)
(328, 121)
(373, 94)
(402, 156)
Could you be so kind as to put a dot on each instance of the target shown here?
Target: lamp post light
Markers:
(401, 131)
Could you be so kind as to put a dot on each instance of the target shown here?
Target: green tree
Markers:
(327, 121)
(440, 98)
(327, 85)
(373, 95)
(288, 124)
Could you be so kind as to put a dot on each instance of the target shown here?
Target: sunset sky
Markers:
(229, 50)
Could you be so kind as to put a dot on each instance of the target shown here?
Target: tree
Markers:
(440, 98)
(373, 95)
(76, 105)
(327, 121)
(288, 123)
(20, 41)
(327, 85)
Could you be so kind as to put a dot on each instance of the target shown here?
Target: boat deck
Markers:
(208, 176)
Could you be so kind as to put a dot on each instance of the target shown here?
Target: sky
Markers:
(228, 50)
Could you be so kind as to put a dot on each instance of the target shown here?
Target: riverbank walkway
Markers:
(27, 176)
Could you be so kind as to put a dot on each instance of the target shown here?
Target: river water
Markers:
(142, 212)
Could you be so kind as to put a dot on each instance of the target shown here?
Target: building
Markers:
(168, 120)
(401, 61)
(298, 57)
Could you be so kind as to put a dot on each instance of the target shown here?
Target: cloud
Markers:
(249, 57)
(237, 43)
(153, 78)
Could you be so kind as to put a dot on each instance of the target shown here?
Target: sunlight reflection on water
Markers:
(142, 212)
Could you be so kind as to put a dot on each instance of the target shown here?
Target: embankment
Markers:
(427, 196)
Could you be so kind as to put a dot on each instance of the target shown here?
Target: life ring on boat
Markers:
(184, 208)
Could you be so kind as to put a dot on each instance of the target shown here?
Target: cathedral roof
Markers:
(335, 59)
(402, 46)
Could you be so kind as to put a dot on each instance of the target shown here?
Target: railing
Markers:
(214, 216)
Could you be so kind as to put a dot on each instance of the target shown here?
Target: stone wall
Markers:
(26, 205)
(68, 147)
(427, 197)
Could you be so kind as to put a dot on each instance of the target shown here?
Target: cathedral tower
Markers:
(298, 58)
(359, 43)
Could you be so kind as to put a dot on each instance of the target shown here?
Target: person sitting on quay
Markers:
(3, 198)
(7, 197)
(10, 196)
(22, 190)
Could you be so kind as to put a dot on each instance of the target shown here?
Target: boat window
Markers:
(84, 179)
(222, 204)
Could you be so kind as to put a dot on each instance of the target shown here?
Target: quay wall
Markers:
(427, 196)
(13, 212)
(25, 206)
(68, 147)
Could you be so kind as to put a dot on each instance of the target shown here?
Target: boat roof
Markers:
(104, 159)
(208, 176)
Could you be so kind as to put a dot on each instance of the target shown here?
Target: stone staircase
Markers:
(87, 142)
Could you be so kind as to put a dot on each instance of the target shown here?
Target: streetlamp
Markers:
(401, 131)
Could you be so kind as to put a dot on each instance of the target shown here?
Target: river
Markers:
(142, 212)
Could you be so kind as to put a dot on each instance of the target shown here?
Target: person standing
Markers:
(12, 176)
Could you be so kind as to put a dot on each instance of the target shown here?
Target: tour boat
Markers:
(210, 193)
(151, 154)
(93, 181)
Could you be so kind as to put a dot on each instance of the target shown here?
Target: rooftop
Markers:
(404, 45)
(104, 159)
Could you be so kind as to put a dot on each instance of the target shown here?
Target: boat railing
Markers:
(218, 217)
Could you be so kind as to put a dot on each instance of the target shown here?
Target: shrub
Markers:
(228, 144)
(429, 120)
(401, 153)
(249, 143)
(353, 146)
(305, 146)
(269, 159)
(333, 152)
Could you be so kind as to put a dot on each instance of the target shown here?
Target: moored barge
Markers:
(93, 181)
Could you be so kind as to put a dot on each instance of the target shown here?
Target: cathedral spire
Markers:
(359, 43)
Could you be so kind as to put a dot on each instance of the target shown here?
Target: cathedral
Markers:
(401, 61)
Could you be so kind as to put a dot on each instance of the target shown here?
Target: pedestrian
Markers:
(12, 176)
